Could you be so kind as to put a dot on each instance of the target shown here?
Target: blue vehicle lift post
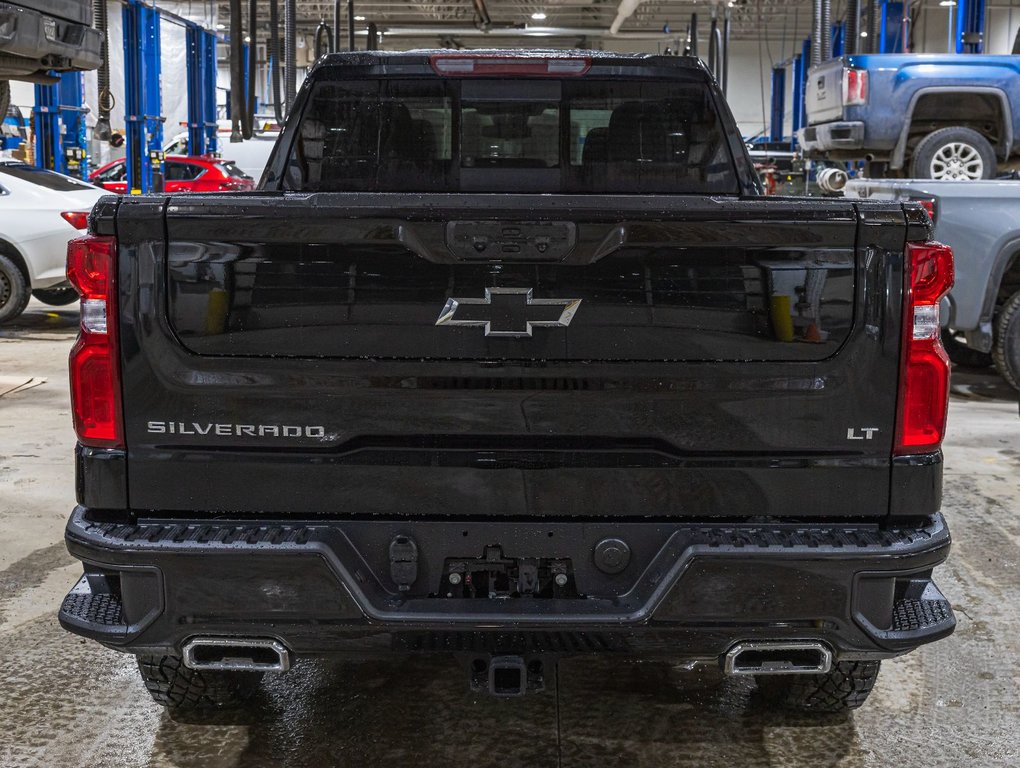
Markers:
(838, 39)
(59, 116)
(890, 38)
(245, 53)
(143, 99)
(201, 90)
(799, 65)
(778, 102)
(970, 25)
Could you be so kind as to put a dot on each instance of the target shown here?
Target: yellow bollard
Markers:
(782, 321)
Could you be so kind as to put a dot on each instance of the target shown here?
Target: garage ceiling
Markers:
(567, 23)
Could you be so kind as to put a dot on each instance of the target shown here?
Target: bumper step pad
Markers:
(84, 609)
(910, 615)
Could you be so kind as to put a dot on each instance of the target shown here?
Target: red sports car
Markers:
(181, 174)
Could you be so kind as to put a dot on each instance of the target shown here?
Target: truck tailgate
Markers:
(288, 354)
(823, 92)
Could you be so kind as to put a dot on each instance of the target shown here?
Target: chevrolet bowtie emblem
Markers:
(509, 312)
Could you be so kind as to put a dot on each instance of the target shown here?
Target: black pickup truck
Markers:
(508, 358)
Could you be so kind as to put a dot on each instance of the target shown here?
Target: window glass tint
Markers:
(179, 147)
(632, 136)
(510, 135)
(233, 171)
(374, 135)
(116, 172)
(646, 137)
(47, 179)
(178, 171)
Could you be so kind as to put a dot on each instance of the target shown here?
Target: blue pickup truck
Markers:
(925, 116)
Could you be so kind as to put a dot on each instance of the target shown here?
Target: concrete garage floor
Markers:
(67, 702)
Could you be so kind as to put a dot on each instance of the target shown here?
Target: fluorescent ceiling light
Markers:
(359, 18)
(538, 16)
(864, 34)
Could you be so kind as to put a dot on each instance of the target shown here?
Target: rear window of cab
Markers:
(518, 135)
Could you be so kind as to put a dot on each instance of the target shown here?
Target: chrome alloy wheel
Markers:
(957, 161)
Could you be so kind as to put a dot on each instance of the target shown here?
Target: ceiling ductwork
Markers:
(561, 22)
(624, 12)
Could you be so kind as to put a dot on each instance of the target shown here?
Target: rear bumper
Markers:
(46, 42)
(828, 137)
(689, 591)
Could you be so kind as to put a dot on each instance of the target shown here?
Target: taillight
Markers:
(94, 361)
(77, 219)
(855, 87)
(486, 65)
(928, 203)
(924, 366)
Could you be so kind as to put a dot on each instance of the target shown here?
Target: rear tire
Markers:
(56, 297)
(181, 689)
(963, 355)
(953, 153)
(1006, 348)
(846, 686)
(14, 290)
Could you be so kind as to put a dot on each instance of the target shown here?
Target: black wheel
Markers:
(1006, 348)
(56, 297)
(5, 98)
(953, 154)
(963, 355)
(14, 291)
(846, 686)
(181, 689)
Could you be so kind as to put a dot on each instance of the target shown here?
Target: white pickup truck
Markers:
(981, 221)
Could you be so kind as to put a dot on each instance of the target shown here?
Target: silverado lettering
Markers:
(225, 430)
(626, 433)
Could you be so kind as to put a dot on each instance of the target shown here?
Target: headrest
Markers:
(638, 132)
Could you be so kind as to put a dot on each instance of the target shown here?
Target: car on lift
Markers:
(39, 212)
(41, 37)
(181, 174)
(923, 116)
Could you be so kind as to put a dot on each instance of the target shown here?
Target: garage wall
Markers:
(750, 62)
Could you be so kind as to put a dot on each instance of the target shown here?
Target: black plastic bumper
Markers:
(50, 42)
(689, 591)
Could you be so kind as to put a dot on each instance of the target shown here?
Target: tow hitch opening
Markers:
(507, 676)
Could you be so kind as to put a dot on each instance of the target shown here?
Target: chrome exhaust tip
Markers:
(787, 657)
(236, 654)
